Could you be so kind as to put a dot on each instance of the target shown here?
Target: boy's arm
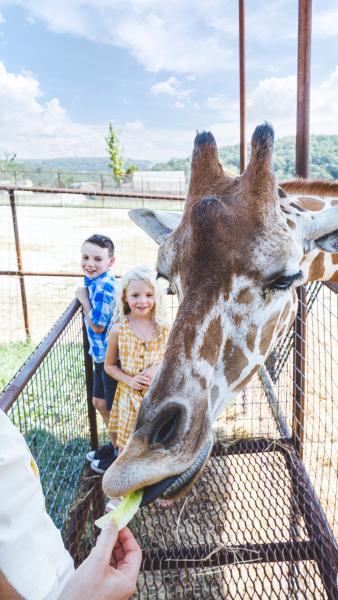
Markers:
(82, 295)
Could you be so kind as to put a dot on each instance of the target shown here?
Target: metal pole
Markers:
(19, 263)
(94, 440)
(302, 170)
(303, 87)
(242, 93)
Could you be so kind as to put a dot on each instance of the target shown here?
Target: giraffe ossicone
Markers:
(234, 258)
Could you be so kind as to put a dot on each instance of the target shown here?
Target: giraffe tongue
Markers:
(171, 486)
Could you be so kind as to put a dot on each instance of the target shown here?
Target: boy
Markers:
(97, 298)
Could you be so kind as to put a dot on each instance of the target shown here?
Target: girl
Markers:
(138, 337)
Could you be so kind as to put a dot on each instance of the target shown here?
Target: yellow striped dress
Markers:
(135, 356)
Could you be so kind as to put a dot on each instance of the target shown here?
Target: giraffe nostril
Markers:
(166, 427)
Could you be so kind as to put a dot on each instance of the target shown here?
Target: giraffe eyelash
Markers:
(284, 282)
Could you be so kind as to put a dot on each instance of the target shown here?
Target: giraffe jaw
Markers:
(172, 488)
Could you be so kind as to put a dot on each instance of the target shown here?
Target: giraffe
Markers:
(234, 258)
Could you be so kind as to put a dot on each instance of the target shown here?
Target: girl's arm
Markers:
(139, 381)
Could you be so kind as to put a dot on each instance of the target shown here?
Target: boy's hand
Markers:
(82, 294)
(139, 382)
(110, 571)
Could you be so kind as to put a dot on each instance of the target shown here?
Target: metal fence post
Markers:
(242, 145)
(94, 440)
(19, 263)
(302, 170)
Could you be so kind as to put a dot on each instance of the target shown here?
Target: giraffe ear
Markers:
(329, 242)
(157, 224)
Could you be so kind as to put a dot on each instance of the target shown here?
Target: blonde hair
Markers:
(148, 275)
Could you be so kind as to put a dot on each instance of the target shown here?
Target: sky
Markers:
(157, 70)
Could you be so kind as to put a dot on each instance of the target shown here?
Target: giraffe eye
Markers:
(285, 281)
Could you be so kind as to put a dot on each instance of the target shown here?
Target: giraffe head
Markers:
(234, 262)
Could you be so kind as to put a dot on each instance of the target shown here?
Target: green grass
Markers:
(12, 356)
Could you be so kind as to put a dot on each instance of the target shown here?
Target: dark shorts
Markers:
(104, 386)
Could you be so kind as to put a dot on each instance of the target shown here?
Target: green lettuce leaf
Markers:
(124, 512)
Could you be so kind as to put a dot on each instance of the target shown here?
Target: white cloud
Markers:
(173, 87)
(175, 36)
(33, 128)
(326, 23)
(2, 19)
(274, 100)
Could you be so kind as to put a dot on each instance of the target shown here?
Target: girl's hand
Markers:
(139, 382)
(150, 372)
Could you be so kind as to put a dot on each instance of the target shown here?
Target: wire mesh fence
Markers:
(258, 524)
(261, 522)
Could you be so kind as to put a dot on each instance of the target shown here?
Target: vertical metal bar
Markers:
(302, 169)
(94, 440)
(59, 179)
(19, 263)
(242, 93)
(303, 87)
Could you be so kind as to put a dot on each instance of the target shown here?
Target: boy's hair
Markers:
(148, 275)
(103, 241)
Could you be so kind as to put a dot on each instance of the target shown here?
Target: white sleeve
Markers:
(32, 555)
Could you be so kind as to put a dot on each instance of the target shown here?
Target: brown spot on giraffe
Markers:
(243, 383)
(244, 296)
(285, 313)
(267, 333)
(214, 394)
(317, 267)
(311, 203)
(251, 336)
(334, 203)
(234, 361)
(334, 258)
(202, 381)
(237, 319)
(291, 224)
(212, 341)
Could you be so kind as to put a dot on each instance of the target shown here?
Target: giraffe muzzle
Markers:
(172, 486)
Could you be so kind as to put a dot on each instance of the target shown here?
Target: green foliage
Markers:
(323, 158)
(12, 356)
(129, 172)
(115, 159)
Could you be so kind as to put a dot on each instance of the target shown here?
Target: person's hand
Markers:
(111, 569)
(81, 294)
(150, 372)
(139, 382)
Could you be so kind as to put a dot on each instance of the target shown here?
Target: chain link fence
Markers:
(259, 524)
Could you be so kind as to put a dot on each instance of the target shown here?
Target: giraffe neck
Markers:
(316, 265)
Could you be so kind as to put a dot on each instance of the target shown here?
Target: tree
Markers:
(115, 159)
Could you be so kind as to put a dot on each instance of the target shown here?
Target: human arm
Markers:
(139, 381)
(7, 592)
(82, 295)
(150, 372)
(110, 571)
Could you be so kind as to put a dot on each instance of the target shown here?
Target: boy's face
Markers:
(95, 260)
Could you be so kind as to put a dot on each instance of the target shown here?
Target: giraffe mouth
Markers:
(172, 488)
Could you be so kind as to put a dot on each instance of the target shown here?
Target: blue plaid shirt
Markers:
(101, 292)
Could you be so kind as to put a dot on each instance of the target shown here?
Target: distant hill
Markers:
(323, 158)
(323, 164)
(85, 165)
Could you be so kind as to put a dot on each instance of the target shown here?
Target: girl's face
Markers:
(140, 297)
